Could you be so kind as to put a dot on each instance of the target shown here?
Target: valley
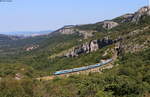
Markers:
(124, 39)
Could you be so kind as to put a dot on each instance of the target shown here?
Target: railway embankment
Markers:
(98, 69)
(86, 72)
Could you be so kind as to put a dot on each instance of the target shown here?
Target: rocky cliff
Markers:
(135, 17)
(109, 24)
(92, 46)
(141, 12)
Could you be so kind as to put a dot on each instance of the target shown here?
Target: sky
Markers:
(38, 15)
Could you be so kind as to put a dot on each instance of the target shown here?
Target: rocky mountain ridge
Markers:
(135, 17)
(94, 45)
(107, 24)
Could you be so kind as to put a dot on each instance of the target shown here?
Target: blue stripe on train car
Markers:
(82, 68)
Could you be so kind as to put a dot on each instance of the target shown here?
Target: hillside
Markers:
(74, 46)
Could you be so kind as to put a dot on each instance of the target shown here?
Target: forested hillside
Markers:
(22, 60)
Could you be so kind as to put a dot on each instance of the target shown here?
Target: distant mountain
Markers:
(28, 33)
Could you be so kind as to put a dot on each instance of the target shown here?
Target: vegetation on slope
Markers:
(52, 45)
(130, 79)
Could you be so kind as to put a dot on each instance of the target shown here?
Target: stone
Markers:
(32, 47)
(141, 12)
(109, 24)
(92, 46)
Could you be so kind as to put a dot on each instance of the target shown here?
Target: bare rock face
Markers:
(32, 47)
(135, 17)
(18, 76)
(84, 48)
(92, 46)
(141, 12)
(144, 10)
(109, 24)
(67, 30)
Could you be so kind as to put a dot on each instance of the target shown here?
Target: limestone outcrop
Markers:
(141, 12)
(92, 46)
(67, 30)
(109, 24)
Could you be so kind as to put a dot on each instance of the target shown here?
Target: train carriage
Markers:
(83, 68)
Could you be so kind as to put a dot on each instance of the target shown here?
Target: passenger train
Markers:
(83, 68)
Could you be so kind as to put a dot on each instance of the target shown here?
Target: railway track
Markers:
(83, 68)
(98, 68)
(92, 68)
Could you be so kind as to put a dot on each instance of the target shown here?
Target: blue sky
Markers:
(37, 15)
